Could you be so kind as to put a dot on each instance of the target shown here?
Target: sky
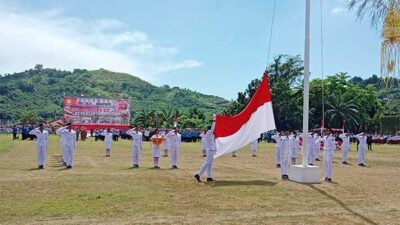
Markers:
(211, 46)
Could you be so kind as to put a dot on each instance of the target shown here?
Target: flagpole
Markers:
(306, 84)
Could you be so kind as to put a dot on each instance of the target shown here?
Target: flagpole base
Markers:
(305, 174)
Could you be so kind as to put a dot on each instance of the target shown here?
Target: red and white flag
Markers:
(234, 132)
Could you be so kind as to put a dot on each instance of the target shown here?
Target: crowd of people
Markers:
(167, 141)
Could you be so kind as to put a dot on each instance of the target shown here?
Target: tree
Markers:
(340, 111)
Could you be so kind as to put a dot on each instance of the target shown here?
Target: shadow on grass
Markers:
(343, 205)
(221, 183)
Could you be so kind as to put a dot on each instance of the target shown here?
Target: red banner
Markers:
(96, 113)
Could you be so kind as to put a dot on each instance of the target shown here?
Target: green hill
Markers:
(39, 93)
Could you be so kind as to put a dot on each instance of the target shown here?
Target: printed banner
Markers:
(97, 112)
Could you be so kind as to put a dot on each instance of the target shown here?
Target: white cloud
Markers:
(179, 65)
(56, 41)
(338, 11)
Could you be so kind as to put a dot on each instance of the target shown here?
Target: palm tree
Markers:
(339, 111)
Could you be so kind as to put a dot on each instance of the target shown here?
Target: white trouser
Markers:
(328, 158)
(208, 164)
(361, 155)
(69, 154)
(107, 145)
(285, 161)
(63, 152)
(277, 155)
(135, 155)
(174, 155)
(166, 148)
(254, 151)
(41, 154)
(316, 152)
(345, 151)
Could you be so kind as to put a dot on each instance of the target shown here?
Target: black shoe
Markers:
(210, 180)
(283, 177)
(234, 156)
(254, 155)
(317, 159)
(361, 164)
(310, 164)
(69, 167)
(326, 179)
(156, 167)
(197, 177)
(329, 180)
(174, 167)
(278, 165)
(135, 166)
(40, 167)
(64, 164)
(204, 155)
(345, 162)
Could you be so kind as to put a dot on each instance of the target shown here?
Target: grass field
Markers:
(100, 190)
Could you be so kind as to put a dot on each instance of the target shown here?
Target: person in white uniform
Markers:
(285, 154)
(63, 152)
(345, 146)
(69, 143)
(277, 138)
(329, 148)
(362, 138)
(317, 146)
(211, 150)
(175, 140)
(253, 147)
(294, 147)
(156, 141)
(108, 138)
(311, 149)
(42, 139)
(136, 146)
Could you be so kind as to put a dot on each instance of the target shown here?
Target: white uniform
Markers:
(345, 146)
(136, 146)
(329, 148)
(41, 144)
(69, 143)
(108, 138)
(361, 148)
(174, 144)
(253, 146)
(277, 139)
(211, 150)
(294, 148)
(284, 154)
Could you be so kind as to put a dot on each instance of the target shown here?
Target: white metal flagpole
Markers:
(306, 84)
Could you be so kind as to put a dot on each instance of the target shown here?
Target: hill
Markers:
(40, 92)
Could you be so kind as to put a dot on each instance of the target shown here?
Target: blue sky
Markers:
(211, 46)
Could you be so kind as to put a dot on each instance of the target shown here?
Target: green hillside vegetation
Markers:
(37, 94)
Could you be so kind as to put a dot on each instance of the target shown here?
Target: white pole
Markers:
(306, 84)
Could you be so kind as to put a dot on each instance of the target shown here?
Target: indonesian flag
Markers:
(235, 132)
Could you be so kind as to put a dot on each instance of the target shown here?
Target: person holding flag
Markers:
(156, 141)
(42, 139)
(211, 150)
(108, 138)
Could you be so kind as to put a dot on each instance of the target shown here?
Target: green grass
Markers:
(100, 190)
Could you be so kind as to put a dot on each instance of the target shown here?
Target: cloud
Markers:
(338, 11)
(180, 65)
(57, 41)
